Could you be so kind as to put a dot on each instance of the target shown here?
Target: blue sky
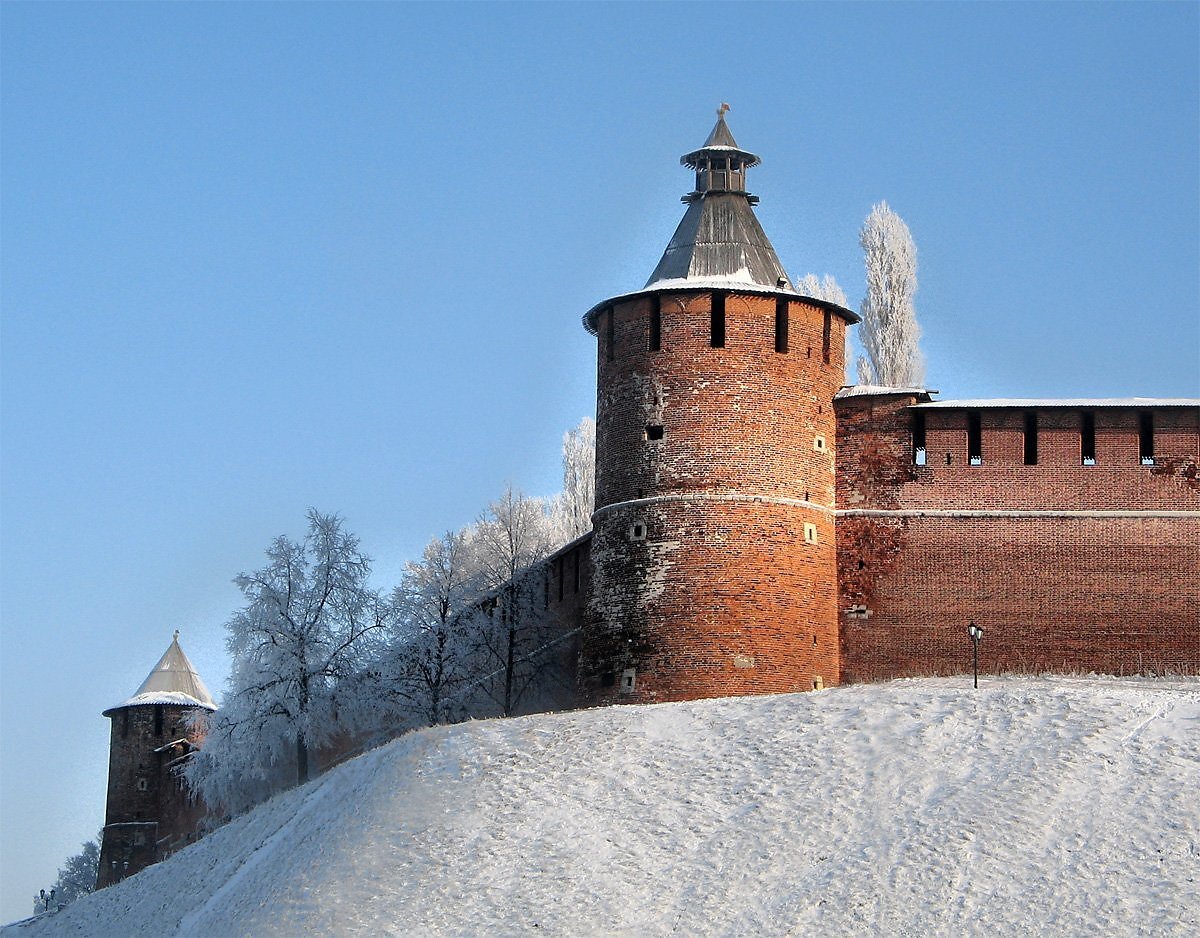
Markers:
(258, 258)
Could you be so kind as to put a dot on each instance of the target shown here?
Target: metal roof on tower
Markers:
(719, 142)
(719, 244)
(172, 681)
(719, 237)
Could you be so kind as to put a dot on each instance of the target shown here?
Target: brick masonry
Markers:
(149, 814)
(1067, 567)
(703, 583)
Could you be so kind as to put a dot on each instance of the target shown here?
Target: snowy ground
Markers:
(1035, 806)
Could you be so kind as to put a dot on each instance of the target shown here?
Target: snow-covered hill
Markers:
(1034, 806)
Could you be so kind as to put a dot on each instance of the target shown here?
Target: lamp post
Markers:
(976, 634)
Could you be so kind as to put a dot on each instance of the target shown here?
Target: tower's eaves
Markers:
(172, 681)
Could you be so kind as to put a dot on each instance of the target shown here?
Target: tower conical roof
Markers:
(719, 142)
(719, 244)
(720, 240)
(172, 681)
(721, 135)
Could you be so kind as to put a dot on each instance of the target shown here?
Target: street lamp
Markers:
(976, 634)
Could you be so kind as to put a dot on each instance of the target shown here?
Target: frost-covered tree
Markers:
(821, 288)
(304, 632)
(76, 877)
(827, 288)
(889, 332)
(578, 498)
(511, 537)
(430, 660)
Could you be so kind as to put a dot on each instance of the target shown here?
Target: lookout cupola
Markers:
(720, 164)
(149, 814)
(719, 239)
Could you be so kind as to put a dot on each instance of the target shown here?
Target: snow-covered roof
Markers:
(878, 390)
(176, 698)
(172, 681)
(720, 238)
(1030, 402)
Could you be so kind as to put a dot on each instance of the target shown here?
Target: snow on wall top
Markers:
(877, 390)
(716, 283)
(870, 390)
(1068, 402)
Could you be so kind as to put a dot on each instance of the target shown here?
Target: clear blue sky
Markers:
(257, 258)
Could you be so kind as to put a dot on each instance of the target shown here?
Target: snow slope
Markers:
(1045, 806)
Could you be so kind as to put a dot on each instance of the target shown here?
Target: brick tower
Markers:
(149, 815)
(714, 559)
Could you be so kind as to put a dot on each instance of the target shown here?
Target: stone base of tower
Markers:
(126, 848)
(709, 596)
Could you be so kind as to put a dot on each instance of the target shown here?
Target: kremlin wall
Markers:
(762, 528)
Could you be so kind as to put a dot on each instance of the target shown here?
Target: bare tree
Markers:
(431, 658)
(511, 537)
(889, 331)
(304, 630)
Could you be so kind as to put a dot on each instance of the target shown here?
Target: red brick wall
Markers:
(144, 822)
(1052, 587)
(561, 585)
(1059, 480)
(722, 596)
(721, 599)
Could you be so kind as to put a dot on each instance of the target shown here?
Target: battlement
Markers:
(1069, 530)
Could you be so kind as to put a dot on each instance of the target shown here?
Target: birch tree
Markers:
(306, 628)
(889, 332)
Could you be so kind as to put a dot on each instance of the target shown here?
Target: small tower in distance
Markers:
(149, 814)
(713, 552)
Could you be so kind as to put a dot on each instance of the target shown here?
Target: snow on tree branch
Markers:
(889, 332)
(578, 498)
(306, 630)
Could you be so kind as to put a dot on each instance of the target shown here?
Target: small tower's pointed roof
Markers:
(721, 135)
(719, 143)
(172, 681)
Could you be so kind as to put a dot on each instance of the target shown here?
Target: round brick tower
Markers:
(713, 547)
(149, 814)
